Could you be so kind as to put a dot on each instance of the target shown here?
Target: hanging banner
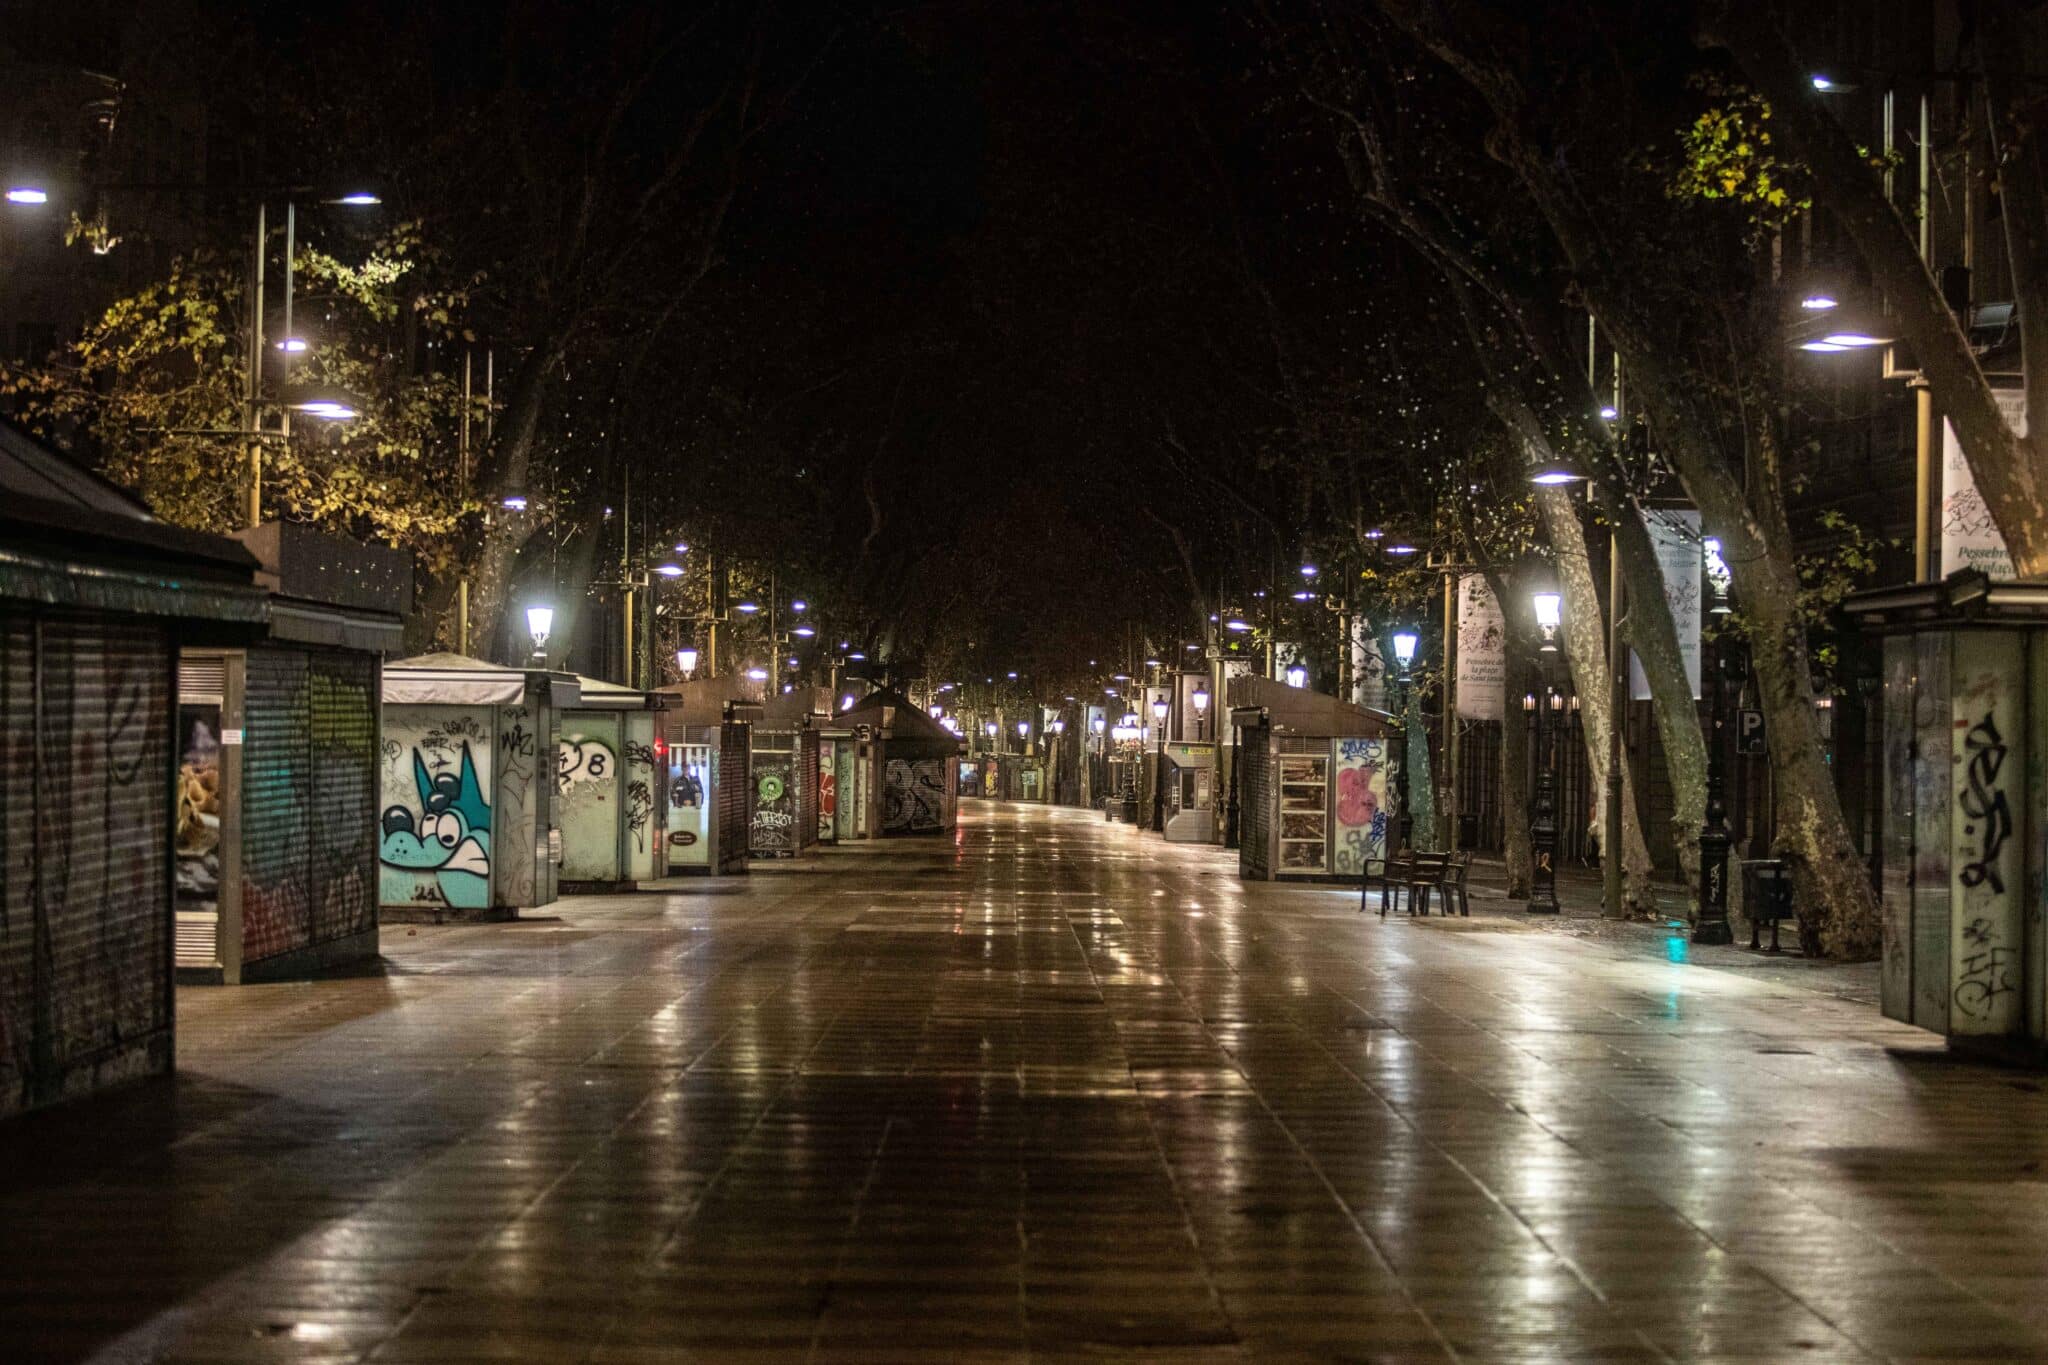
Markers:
(1675, 538)
(1969, 538)
(1482, 650)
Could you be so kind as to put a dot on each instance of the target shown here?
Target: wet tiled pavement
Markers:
(1047, 1090)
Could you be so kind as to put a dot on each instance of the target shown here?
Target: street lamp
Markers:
(1405, 642)
(1297, 676)
(1159, 709)
(540, 621)
(1715, 838)
(1543, 821)
(686, 660)
(1199, 699)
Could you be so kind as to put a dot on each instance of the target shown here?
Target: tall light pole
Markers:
(1404, 655)
(1159, 710)
(1712, 925)
(1543, 821)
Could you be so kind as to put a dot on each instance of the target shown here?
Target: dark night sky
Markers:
(983, 261)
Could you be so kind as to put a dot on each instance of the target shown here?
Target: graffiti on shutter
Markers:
(86, 830)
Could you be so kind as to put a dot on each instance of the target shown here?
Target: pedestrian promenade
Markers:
(1049, 1089)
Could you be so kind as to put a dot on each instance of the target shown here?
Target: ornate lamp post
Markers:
(1543, 820)
(1159, 709)
(1199, 699)
(1712, 925)
(1404, 655)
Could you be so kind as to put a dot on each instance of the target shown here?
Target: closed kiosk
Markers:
(96, 597)
(1189, 792)
(1314, 775)
(918, 759)
(278, 790)
(611, 788)
(707, 775)
(468, 764)
(787, 776)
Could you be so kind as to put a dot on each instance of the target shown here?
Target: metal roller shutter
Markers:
(807, 789)
(18, 845)
(309, 789)
(1255, 803)
(735, 796)
(276, 862)
(343, 690)
(85, 950)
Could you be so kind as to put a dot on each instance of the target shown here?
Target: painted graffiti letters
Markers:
(584, 760)
(1983, 802)
(913, 795)
(1983, 978)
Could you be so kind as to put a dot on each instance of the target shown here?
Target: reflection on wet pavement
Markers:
(1049, 1089)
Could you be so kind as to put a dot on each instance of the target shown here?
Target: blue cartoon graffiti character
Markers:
(452, 838)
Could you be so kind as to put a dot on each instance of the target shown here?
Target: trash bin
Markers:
(1766, 897)
(1468, 831)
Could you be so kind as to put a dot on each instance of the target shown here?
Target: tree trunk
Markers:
(1653, 635)
(1585, 649)
(1836, 905)
(2006, 466)
(1837, 908)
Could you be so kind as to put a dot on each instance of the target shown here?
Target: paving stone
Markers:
(1048, 1090)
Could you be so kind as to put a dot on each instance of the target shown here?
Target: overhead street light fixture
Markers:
(1556, 470)
(331, 404)
(669, 570)
(27, 194)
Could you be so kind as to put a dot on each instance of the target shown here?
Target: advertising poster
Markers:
(1969, 539)
(1675, 536)
(1482, 650)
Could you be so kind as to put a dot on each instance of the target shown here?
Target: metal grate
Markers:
(198, 938)
(202, 678)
